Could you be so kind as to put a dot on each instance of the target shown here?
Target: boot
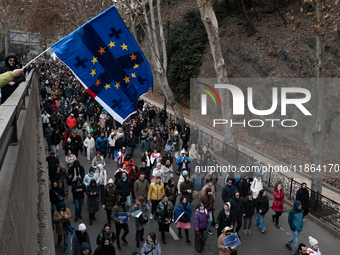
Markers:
(137, 244)
(187, 236)
(179, 233)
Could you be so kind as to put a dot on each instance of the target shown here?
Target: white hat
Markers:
(113, 133)
(176, 132)
(81, 227)
(69, 140)
(110, 181)
(312, 241)
(183, 152)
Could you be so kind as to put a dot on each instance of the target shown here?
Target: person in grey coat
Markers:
(151, 246)
(92, 193)
(140, 205)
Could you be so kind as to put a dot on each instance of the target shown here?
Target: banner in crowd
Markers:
(107, 60)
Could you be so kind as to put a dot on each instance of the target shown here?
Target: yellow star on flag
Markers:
(117, 85)
(94, 60)
(101, 51)
(133, 57)
(133, 75)
(112, 44)
(124, 46)
(93, 72)
(97, 82)
(126, 79)
(107, 86)
(135, 66)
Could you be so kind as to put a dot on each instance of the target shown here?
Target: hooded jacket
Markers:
(295, 218)
(78, 191)
(200, 219)
(187, 185)
(262, 204)
(102, 175)
(5, 67)
(89, 177)
(76, 170)
(303, 196)
(56, 194)
(237, 208)
(208, 201)
(105, 250)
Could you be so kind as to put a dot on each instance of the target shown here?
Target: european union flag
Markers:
(108, 62)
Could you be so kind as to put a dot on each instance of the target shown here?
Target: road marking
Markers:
(173, 234)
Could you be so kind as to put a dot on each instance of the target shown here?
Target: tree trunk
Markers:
(211, 25)
(160, 70)
(319, 128)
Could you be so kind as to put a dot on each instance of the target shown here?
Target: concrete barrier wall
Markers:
(24, 203)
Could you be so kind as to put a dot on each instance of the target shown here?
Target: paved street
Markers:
(272, 242)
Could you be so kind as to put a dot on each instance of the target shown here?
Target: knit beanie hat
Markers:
(122, 199)
(135, 253)
(81, 227)
(184, 173)
(62, 205)
(312, 241)
(84, 246)
(110, 181)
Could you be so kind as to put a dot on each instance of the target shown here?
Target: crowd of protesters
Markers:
(73, 123)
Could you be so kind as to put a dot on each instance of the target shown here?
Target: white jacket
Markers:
(89, 143)
(102, 175)
(45, 118)
(112, 141)
(255, 187)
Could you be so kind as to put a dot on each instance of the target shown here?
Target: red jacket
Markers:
(71, 122)
(279, 199)
(133, 176)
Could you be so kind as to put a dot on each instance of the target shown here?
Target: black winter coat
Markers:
(303, 196)
(55, 193)
(124, 187)
(77, 170)
(78, 194)
(262, 203)
(242, 187)
(184, 187)
(236, 208)
(223, 221)
(249, 206)
(110, 198)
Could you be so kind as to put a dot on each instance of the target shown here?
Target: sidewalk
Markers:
(259, 156)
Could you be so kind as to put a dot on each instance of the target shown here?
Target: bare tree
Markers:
(319, 128)
(211, 25)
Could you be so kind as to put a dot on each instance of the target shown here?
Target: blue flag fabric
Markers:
(108, 62)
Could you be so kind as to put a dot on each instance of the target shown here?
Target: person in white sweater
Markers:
(256, 186)
(112, 143)
(102, 176)
(89, 145)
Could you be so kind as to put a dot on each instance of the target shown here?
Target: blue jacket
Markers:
(102, 144)
(197, 180)
(180, 209)
(181, 164)
(227, 192)
(295, 218)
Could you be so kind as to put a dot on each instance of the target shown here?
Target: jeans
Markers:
(210, 220)
(260, 221)
(55, 148)
(89, 153)
(65, 241)
(246, 221)
(48, 139)
(78, 204)
(294, 240)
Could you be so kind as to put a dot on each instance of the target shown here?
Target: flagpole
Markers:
(36, 58)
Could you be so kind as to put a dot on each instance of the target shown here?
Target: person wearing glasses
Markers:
(10, 64)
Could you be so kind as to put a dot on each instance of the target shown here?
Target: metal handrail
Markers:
(9, 113)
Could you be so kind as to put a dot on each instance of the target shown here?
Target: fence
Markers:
(319, 205)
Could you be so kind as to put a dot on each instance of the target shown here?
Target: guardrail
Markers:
(320, 206)
(9, 112)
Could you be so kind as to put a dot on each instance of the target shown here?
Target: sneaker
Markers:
(289, 246)
(263, 231)
(151, 217)
(209, 232)
(245, 232)
(249, 232)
